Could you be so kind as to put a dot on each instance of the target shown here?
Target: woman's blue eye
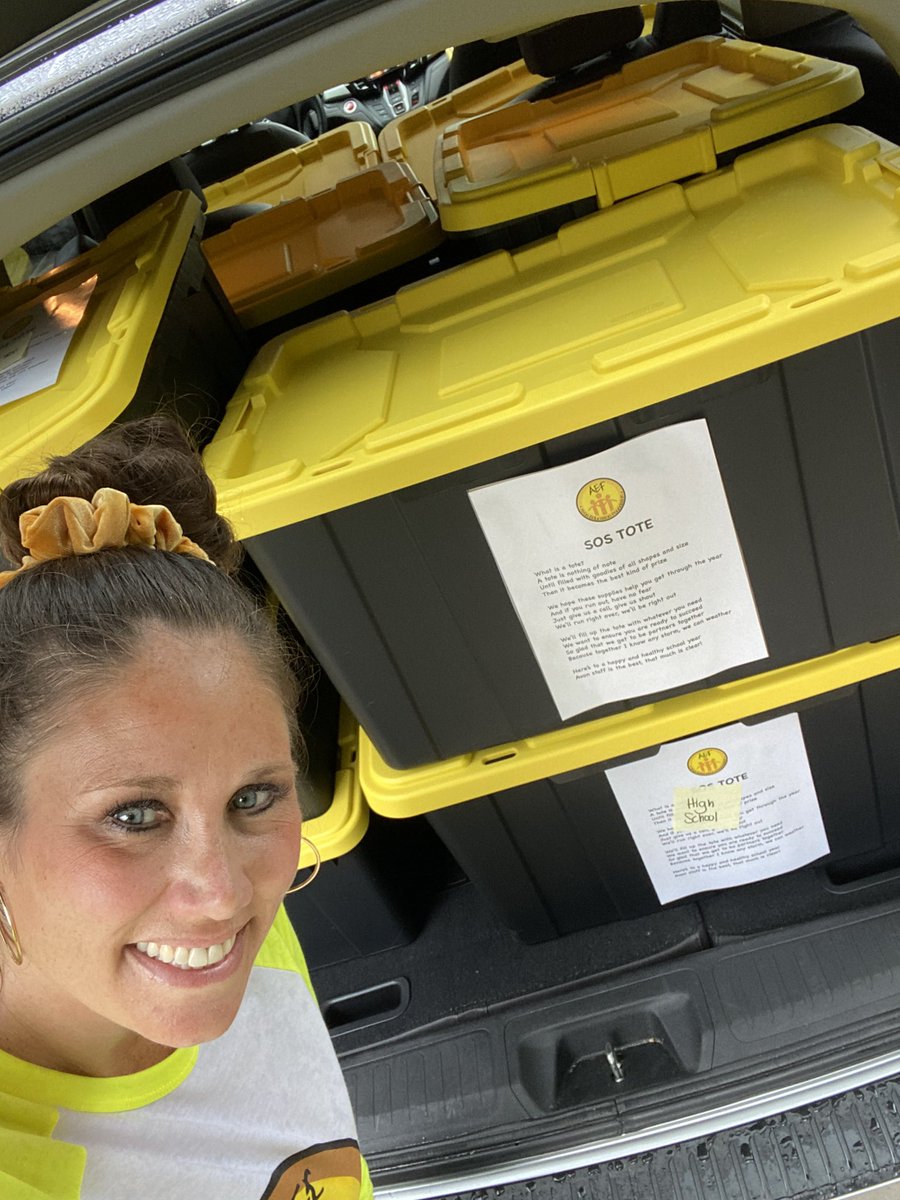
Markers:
(255, 799)
(142, 815)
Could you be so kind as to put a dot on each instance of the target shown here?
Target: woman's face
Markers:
(160, 818)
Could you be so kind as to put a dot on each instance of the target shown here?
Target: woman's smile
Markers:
(191, 957)
(194, 966)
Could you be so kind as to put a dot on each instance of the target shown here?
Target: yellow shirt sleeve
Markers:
(365, 1185)
(282, 949)
(32, 1165)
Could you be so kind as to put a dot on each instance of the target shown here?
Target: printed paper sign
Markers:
(34, 341)
(723, 808)
(625, 569)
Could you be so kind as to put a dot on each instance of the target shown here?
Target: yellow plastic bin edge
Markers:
(254, 183)
(411, 137)
(505, 416)
(480, 95)
(340, 829)
(412, 792)
(159, 237)
(733, 122)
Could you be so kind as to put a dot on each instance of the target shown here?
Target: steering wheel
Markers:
(311, 118)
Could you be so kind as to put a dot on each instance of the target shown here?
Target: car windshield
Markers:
(128, 35)
(111, 61)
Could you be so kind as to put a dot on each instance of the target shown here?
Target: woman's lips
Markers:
(178, 971)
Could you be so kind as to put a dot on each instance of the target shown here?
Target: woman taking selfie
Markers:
(158, 1034)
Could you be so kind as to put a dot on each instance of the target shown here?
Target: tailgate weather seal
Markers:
(854, 1112)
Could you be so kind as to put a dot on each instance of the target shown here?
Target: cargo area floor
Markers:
(467, 1041)
(465, 959)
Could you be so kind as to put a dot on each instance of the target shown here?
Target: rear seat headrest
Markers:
(233, 152)
(557, 48)
(764, 18)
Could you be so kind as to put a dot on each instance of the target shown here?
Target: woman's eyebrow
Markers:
(170, 782)
(144, 781)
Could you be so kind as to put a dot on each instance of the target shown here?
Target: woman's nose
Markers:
(212, 875)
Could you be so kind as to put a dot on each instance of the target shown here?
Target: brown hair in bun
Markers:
(153, 461)
(65, 624)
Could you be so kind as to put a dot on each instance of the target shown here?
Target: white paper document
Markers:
(34, 341)
(625, 568)
(724, 808)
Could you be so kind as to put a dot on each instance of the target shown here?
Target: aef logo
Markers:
(709, 761)
(600, 499)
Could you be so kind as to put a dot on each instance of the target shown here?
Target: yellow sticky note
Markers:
(17, 264)
(703, 808)
(14, 348)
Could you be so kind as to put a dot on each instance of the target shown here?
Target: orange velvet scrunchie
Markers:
(70, 525)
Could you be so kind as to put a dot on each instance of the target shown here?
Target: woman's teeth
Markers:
(192, 958)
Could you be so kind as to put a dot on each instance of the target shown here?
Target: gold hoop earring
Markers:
(8, 931)
(298, 887)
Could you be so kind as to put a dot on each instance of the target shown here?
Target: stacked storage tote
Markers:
(135, 324)
(316, 221)
(412, 138)
(580, 481)
(602, 821)
(668, 116)
(278, 261)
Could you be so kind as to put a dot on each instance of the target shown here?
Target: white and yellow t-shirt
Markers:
(261, 1113)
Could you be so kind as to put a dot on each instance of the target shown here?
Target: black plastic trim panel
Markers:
(720, 1026)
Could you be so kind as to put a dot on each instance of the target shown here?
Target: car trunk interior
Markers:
(465, 1035)
(466, 1043)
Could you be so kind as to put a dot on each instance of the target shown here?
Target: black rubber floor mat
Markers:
(612, 1056)
(466, 959)
(788, 900)
(828, 1149)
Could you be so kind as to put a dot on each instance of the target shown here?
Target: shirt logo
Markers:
(332, 1171)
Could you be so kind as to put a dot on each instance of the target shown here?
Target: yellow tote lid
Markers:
(277, 261)
(662, 118)
(409, 792)
(411, 138)
(134, 269)
(342, 826)
(300, 171)
(794, 245)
